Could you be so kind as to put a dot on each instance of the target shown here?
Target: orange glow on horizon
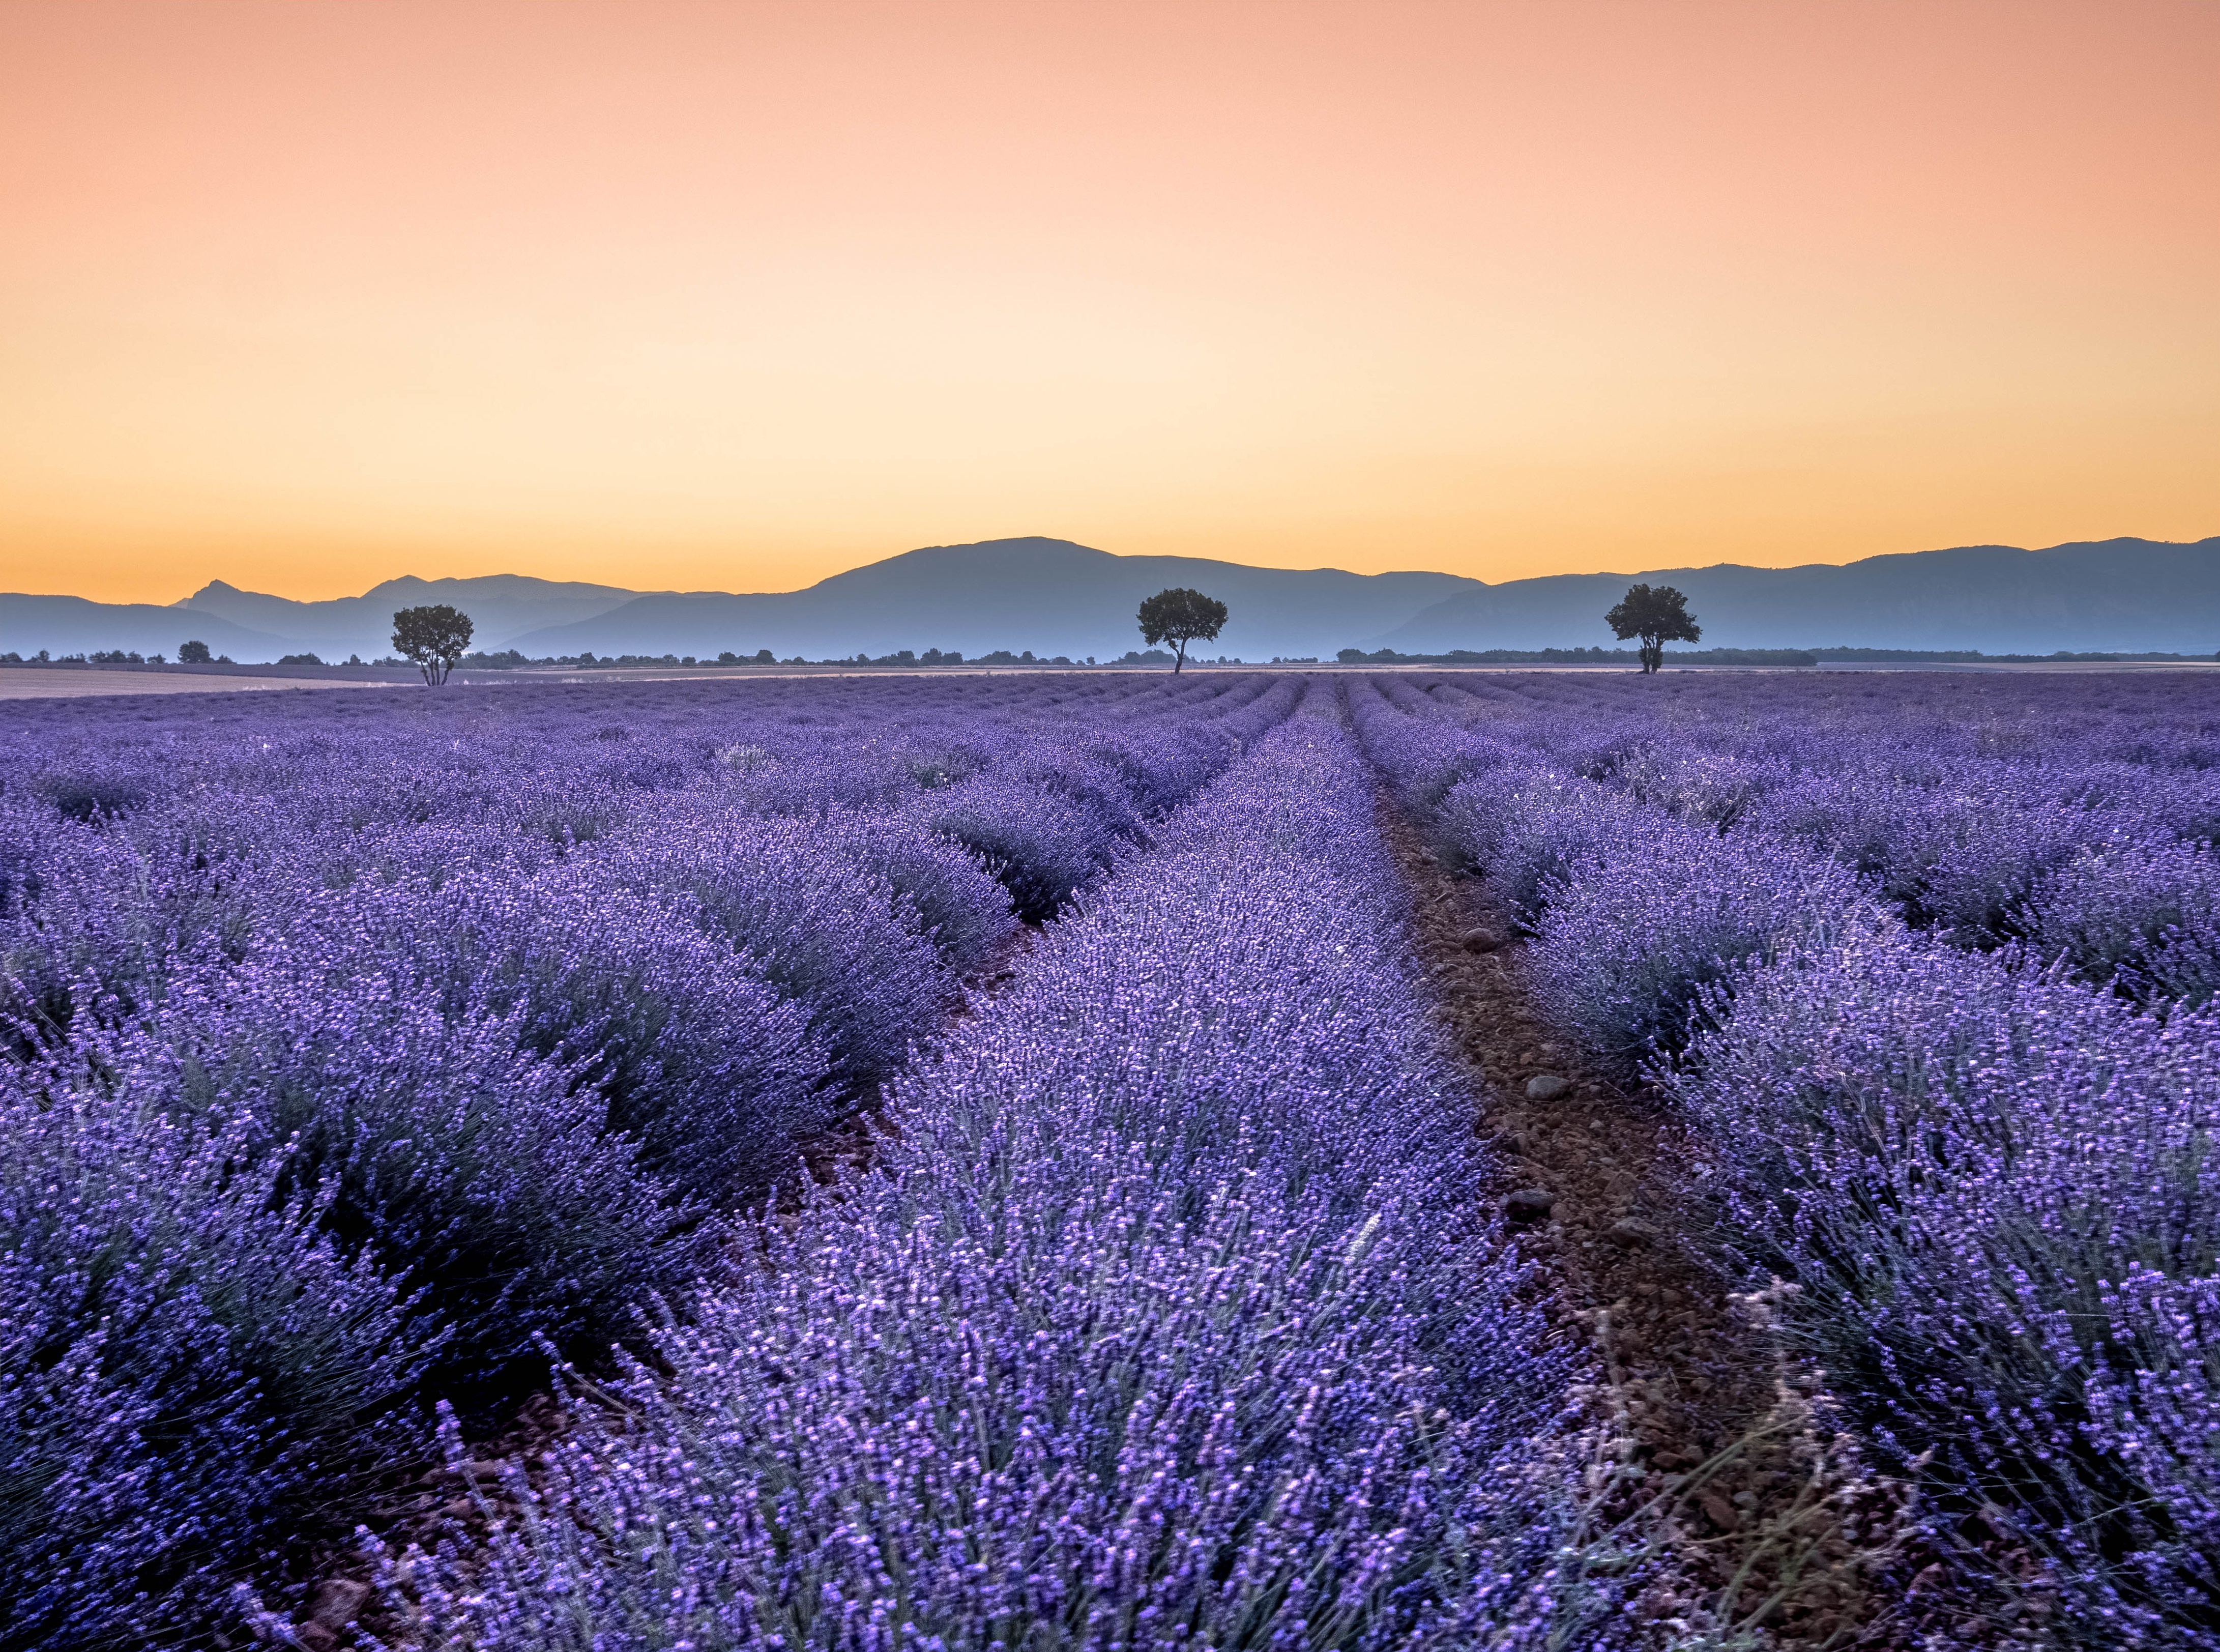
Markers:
(722, 295)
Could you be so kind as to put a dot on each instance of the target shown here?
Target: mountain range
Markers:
(1054, 597)
(2109, 595)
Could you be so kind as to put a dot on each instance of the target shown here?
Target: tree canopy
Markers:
(193, 653)
(1657, 617)
(1179, 616)
(433, 639)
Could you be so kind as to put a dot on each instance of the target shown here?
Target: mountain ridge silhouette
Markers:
(2096, 596)
(1054, 596)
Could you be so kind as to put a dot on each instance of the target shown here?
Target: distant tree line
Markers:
(510, 659)
(436, 640)
(1579, 657)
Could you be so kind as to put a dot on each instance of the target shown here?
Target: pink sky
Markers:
(303, 295)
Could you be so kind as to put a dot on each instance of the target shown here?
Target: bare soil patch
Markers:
(38, 682)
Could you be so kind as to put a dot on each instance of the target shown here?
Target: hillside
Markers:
(503, 606)
(2120, 595)
(1049, 595)
(1054, 597)
(256, 628)
(71, 625)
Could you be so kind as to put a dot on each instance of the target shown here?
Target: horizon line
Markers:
(1631, 573)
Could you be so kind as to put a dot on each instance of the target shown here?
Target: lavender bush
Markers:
(488, 1178)
(1962, 796)
(700, 1059)
(821, 929)
(952, 893)
(1531, 829)
(1042, 846)
(462, 1026)
(110, 922)
(1642, 926)
(2142, 916)
(183, 1351)
(1998, 1195)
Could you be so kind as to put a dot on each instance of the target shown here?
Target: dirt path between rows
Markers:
(1767, 1521)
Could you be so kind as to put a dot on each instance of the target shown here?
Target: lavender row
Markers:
(1170, 1319)
(2078, 817)
(1997, 1195)
(1992, 1187)
(354, 1059)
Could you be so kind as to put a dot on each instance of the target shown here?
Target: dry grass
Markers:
(45, 683)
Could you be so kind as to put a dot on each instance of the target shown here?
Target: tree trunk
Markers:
(1180, 658)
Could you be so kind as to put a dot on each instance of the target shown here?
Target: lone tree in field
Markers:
(1180, 617)
(1657, 617)
(193, 653)
(433, 639)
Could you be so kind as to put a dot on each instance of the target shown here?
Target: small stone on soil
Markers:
(337, 1602)
(1478, 940)
(1545, 1087)
(1528, 1205)
(1631, 1232)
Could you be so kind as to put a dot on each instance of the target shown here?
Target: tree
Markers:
(433, 639)
(193, 653)
(1179, 617)
(1657, 617)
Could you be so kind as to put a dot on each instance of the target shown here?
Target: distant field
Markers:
(1235, 1084)
(45, 682)
(40, 682)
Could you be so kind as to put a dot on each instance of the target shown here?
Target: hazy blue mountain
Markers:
(71, 625)
(2107, 595)
(1049, 595)
(502, 605)
(1054, 597)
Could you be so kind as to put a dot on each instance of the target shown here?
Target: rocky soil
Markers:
(1717, 1454)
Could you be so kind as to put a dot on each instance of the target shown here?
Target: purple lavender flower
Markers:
(1169, 1317)
(357, 1049)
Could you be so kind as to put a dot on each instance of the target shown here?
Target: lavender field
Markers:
(982, 1163)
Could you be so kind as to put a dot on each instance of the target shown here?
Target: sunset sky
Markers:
(303, 295)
